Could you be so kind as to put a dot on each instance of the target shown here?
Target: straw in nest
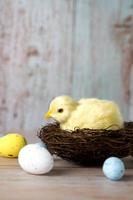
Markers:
(87, 146)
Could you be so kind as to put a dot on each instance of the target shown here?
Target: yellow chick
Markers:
(11, 144)
(86, 113)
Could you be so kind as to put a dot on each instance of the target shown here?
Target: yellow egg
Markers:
(11, 144)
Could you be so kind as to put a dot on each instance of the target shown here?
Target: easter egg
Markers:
(41, 144)
(11, 144)
(113, 168)
(35, 159)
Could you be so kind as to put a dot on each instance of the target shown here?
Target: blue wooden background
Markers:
(83, 48)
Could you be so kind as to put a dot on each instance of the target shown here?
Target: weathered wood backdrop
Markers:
(51, 47)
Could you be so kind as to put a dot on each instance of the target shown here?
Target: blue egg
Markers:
(113, 168)
(40, 144)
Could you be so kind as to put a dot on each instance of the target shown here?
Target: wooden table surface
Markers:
(65, 182)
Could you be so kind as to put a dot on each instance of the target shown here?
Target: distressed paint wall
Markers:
(54, 47)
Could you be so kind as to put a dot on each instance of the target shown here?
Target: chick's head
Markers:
(61, 108)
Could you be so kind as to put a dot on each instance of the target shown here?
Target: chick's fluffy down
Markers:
(86, 113)
(95, 114)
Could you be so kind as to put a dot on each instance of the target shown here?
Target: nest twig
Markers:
(88, 146)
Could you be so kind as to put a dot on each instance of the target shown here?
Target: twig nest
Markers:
(88, 146)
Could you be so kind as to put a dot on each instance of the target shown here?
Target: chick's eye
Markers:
(60, 110)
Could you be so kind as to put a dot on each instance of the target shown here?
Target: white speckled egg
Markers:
(113, 168)
(35, 160)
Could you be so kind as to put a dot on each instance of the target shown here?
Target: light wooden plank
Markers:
(81, 60)
(63, 182)
(124, 36)
(97, 56)
(36, 59)
(126, 41)
(49, 48)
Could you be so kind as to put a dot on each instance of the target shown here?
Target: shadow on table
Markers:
(128, 162)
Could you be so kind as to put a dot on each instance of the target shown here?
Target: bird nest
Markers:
(88, 146)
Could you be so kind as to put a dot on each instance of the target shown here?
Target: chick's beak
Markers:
(47, 115)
